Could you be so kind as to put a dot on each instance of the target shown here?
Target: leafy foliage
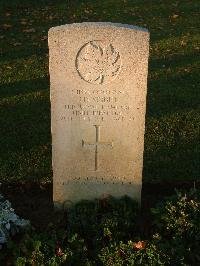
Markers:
(106, 233)
(126, 254)
(105, 219)
(178, 223)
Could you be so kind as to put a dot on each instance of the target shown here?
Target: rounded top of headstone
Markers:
(100, 24)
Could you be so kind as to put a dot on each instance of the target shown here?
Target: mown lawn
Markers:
(171, 140)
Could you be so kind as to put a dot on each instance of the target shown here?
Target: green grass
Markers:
(171, 139)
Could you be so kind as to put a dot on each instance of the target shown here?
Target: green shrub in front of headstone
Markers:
(106, 232)
(177, 221)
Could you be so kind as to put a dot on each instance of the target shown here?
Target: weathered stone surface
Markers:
(98, 74)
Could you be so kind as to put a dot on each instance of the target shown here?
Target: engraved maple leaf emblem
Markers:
(97, 63)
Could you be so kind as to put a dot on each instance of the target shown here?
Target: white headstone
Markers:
(98, 74)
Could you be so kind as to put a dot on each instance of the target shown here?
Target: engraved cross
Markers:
(97, 143)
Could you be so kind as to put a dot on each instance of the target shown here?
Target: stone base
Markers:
(74, 192)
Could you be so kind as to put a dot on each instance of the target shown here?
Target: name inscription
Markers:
(97, 105)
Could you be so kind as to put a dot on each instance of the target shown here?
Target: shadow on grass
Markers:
(174, 60)
(16, 53)
(177, 163)
(24, 87)
(171, 93)
(25, 3)
(25, 124)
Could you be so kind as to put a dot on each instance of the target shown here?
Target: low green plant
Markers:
(105, 220)
(49, 249)
(127, 254)
(105, 233)
(177, 221)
